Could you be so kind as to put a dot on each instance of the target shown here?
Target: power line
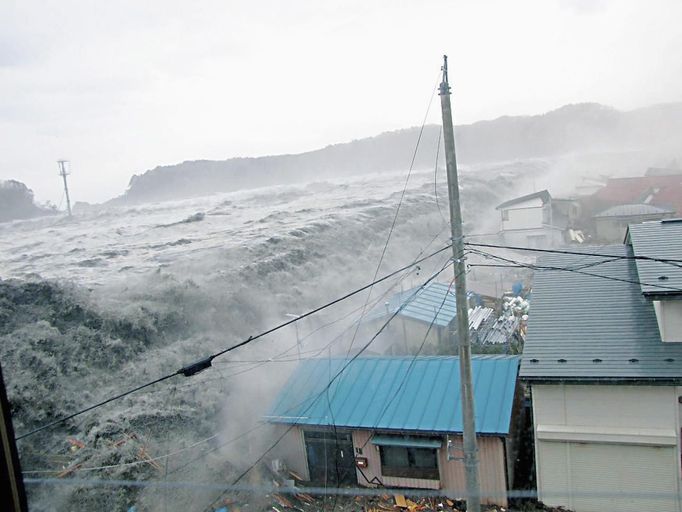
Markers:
(331, 381)
(435, 177)
(397, 211)
(414, 359)
(202, 364)
(518, 264)
(258, 364)
(671, 261)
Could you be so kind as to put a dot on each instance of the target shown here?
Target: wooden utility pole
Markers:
(11, 485)
(473, 489)
(63, 173)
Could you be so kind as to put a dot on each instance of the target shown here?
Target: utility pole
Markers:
(473, 490)
(63, 173)
(11, 483)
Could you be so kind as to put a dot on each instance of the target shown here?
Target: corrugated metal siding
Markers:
(587, 327)
(663, 240)
(453, 482)
(491, 471)
(398, 393)
(367, 476)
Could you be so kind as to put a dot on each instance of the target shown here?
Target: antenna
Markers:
(64, 173)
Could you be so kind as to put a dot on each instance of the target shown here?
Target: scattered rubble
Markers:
(303, 502)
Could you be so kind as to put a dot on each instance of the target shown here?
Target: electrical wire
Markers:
(517, 264)
(671, 261)
(202, 364)
(331, 381)
(413, 361)
(260, 363)
(397, 211)
(435, 179)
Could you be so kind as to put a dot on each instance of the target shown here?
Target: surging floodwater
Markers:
(100, 303)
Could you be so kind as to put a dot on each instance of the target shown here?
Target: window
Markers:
(505, 214)
(403, 461)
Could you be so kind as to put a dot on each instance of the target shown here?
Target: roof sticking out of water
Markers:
(395, 393)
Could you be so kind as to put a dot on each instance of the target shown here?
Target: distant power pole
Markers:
(473, 489)
(63, 173)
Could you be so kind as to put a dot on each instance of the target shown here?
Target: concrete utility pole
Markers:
(11, 482)
(473, 489)
(63, 173)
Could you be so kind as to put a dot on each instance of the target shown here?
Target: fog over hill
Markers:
(572, 129)
(16, 202)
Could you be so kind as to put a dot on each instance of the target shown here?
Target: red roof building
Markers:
(661, 191)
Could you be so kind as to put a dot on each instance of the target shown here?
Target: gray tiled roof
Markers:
(663, 240)
(543, 195)
(632, 210)
(595, 324)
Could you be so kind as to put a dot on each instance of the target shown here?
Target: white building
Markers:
(603, 358)
(536, 220)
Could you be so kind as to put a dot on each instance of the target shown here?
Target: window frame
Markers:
(411, 470)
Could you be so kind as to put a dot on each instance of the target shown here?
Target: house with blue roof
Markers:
(397, 422)
(424, 317)
(603, 360)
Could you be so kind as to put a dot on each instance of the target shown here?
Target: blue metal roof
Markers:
(391, 393)
(423, 306)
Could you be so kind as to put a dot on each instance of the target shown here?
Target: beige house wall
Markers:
(452, 479)
(592, 440)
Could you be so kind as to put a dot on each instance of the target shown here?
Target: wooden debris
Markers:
(283, 501)
(296, 476)
(400, 501)
(75, 442)
(68, 471)
(144, 456)
(306, 498)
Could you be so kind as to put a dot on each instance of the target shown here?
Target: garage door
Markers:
(609, 476)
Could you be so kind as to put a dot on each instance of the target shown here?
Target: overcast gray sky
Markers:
(119, 87)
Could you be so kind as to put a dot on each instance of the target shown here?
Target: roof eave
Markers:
(674, 381)
(380, 429)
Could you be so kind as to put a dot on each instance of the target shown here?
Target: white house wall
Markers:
(614, 439)
(542, 237)
(522, 218)
(669, 317)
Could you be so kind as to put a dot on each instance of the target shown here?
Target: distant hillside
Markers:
(16, 202)
(580, 128)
